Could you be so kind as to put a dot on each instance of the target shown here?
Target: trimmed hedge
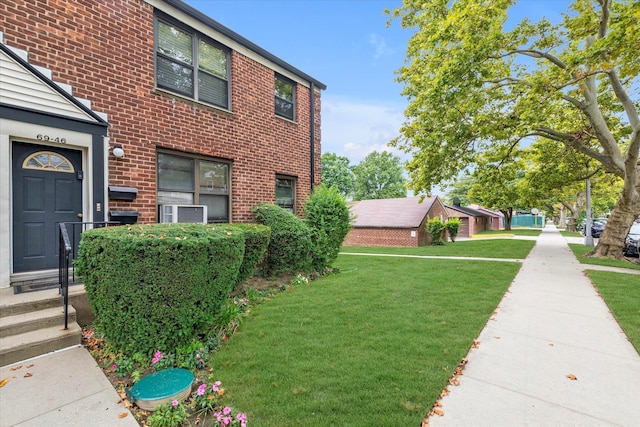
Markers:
(257, 237)
(290, 247)
(328, 217)
(158, 286)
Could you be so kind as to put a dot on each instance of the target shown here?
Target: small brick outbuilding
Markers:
(394, 222)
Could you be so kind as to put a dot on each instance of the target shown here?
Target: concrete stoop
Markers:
(32, 325)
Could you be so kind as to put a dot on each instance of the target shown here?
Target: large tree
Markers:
(337, 173)
(379, 176)
(496, 183)
(473, 85)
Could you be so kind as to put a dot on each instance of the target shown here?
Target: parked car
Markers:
(597, 227)
(632, 242)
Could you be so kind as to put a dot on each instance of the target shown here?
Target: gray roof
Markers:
(405, 212)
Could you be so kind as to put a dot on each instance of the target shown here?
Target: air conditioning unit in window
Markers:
(183, 213)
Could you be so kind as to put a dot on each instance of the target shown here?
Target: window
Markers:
(285, 98)
(189, 65)
(49, 161)
(184, 180)
(286, 193)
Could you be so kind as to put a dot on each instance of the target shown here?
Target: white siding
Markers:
(20, 88)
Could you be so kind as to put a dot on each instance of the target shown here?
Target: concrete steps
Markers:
(32, 324)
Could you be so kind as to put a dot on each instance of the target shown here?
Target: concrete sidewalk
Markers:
(550, 325)
(63, 388)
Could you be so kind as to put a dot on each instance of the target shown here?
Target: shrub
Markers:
(290, 245)
(329, 221)
(435, 226)
(158, 286)
(453, 225)
(256, 241)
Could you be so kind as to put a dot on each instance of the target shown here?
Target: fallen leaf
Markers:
(122, 415)
(550, 344)
(16, 368)
(4, 381)
(28, 374)
(438, 404)
(30, 365)
(572, 377)
(497, 338)
(438, 412)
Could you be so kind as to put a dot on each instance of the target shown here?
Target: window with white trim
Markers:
(285, 97)
(286, 193)
(191, 65)
(194, 180)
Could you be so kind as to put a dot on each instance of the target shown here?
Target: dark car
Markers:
(597, 227)
(632, 242)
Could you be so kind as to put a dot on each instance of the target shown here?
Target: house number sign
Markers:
(42, 137)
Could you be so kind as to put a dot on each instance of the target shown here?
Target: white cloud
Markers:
(356, 128)
(380, 45)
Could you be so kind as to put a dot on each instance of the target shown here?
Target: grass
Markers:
(372, 345)
(467, 248)
(621, 292)
(514, 232)
(579, 250)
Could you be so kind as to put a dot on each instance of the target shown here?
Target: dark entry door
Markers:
(47, 190)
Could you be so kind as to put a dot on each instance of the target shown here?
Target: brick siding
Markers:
(105, 51)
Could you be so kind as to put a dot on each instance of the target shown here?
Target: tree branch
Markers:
(621, 94)
(573, 142)
(603, 23)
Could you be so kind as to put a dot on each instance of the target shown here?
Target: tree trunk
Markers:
(571, 225)
(611, 242)
(508, 214)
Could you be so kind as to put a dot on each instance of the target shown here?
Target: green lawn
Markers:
(515, 232)
(372, 345)
(579, 250)
(621, 292)
(503, 248)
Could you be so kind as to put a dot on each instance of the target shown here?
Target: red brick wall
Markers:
(382, 237)
(105, 51)
(397, 236)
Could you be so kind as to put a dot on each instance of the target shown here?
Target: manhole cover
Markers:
(161, 387)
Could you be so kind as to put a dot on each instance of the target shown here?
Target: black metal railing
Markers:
(68, 251)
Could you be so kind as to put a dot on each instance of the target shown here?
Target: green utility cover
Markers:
(162, 384)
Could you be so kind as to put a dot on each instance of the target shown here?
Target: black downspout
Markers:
(312, 133)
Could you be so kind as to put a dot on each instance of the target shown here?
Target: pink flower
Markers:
(202, 389)
(216, 386)
(157, 356)
(175, 403)
(226, 410)
(227, 420)
(114, 367)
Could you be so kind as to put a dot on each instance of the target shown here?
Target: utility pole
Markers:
(588, 238)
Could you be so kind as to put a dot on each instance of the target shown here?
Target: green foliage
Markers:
(478, 84)
(452, 226)
(256, 241)
(435, 227)
(192, 356)
(290, 247)
(171, 414)
(329, 220)
(158, 286)
(337, 173)
(379, 176)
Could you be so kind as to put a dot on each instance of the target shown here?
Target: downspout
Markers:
(312, 133)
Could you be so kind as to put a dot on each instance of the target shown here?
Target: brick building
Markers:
(394, 222)
(115, 110)
(472, 221)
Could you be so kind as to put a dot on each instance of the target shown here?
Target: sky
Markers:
(347, 45)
